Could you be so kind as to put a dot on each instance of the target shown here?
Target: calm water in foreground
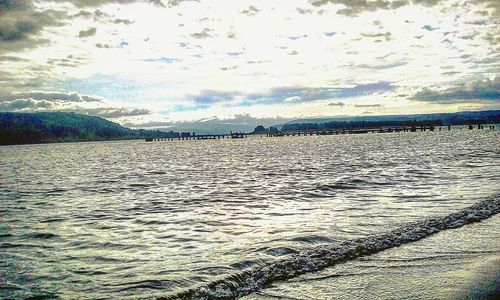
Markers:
(116, 219)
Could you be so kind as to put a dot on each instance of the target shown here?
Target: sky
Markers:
(187, 63)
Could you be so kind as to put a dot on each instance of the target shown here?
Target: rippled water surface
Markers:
(115, 219)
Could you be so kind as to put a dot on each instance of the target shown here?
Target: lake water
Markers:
(137, 219)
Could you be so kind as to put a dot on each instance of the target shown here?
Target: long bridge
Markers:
(240, 135)
(236, 135)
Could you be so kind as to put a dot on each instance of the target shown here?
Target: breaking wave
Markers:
(317, 258)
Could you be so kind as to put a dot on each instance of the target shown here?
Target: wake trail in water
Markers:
(317, 258)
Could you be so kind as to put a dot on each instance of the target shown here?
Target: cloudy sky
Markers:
(162, 62)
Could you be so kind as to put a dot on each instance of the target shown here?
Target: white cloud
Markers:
(162, 55)
(292, 99)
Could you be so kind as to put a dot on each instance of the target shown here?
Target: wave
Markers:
(40, 235)
(320, 257)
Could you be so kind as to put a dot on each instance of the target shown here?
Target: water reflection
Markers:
(134, 218)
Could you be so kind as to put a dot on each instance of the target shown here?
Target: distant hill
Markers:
(439, 119)
(49, 127)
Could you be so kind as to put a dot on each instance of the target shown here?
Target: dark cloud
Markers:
(451, 73)
(31, 105)
(111, 112)
(468, 37)
(123, 21)
(382, 66)
(157, 3)
(69, 61)
(250, 11)
(26, 105)
(386, 55)
(305, 94)
(304, 11)
(493, 59)
(367, 105)
(211, 97)
(17, 30)
(477, 22)
(15, 5)
(21, 24)
(177, 2)
(83, 14)
(96, 15)
(12, 58)
(29, 80)
(339, 104)
(493, 5)
(427, 2)
(51, 96)
(99, 15)
(88, 32)
(483, 13)
(354, 7)
(234, 67)
(202, 34)
(68, 102)
(481, 90)
(387, 35)
(107, 46)
(398, 3)
(493, 37)
(96, 3)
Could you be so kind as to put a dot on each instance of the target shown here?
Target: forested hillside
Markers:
(48, 127)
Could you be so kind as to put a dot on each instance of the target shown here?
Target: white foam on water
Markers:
(317, 258)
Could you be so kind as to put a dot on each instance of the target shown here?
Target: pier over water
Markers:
(238, 135)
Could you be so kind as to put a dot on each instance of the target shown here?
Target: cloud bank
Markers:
(487, 89)
(67, 102)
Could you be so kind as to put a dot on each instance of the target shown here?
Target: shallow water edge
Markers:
(315, 259)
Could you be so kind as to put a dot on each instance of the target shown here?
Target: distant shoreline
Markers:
(256, 135)
(63, 127)
(73, 142)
